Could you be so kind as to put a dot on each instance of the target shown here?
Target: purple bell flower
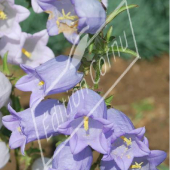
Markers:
(48, 116)
(155, 158)
(127, 142)
(10, 17)
(64, 159)
(55, 76)
(87, 121)
(72, 16)
(30, 50)
(149, 162)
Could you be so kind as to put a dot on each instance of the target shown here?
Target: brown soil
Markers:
(145, 80)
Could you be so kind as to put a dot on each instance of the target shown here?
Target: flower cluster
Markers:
(23, 48)
(90, 126)
(86, 120)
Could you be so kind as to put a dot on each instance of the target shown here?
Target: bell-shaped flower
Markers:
(5, 90)
(63, 159)
(72, 16)
(87, 121)
(4, 154)
(155, 158)
(127, 142)
(25, 125)
(10, 16)
(36, 6)
(55, 76)
(149, 162)
(38, 164)
(30, 50)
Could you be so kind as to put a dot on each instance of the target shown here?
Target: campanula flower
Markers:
(38, 164)
(10, 16)
(149, 162)
(55, 76)
(88, 121)
(63, 159)
(48, 116)
(72, 16)
(5, 90)
(30, 50)
(127, 142)
(4, 154)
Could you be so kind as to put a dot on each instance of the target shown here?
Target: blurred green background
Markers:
(149, 20)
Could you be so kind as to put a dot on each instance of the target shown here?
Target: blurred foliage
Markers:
(163, 167)
(142, 106)
(149, 24)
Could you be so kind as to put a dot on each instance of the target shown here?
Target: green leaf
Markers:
(118, 11)
(109, 100)
(5, 64)
(109, 34)
(110, 50)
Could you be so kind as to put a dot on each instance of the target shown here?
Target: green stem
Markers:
(17, 159)
(97, 71)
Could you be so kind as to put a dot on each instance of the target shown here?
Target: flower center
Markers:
(41, 83)
(19, 129)
(86, 123)
(3, 16)
(26, 53)
(126, 140)
(136, 166)
(65, 17)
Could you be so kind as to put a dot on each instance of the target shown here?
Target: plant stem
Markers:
(17, 160)
(97, 71)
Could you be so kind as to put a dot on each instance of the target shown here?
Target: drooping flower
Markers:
(72, 16)
(5, 90)
(87, 121)
(127, 142)
(10, 16)
(36, 6)
(38, 164)
(4, 154)
(30, 50)
(55, 76)
(25, 125)
(64, 159)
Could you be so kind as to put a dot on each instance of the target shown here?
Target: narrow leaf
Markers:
(118, 11)
(5, 64)
(110, 50)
